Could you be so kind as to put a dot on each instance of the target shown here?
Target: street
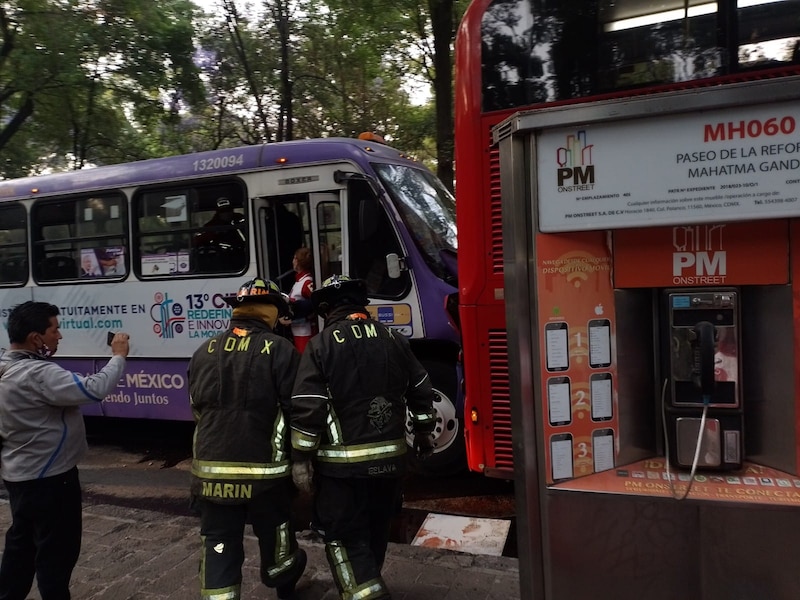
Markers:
(151, 463)
(141, 541)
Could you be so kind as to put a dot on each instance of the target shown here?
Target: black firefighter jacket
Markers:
(349, 399)
(240, 385)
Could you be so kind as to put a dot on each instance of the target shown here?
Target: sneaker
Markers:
(286, 591)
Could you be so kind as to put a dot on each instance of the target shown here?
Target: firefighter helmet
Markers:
(259, 290)
(338, 290)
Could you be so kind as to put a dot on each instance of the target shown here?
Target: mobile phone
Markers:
(559, 401)
(599, 343)
(603, 449)
(110, 336)
(561, 456)
(557, 346)
(601, 396)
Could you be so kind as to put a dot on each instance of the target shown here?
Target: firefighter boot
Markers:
(286, 591)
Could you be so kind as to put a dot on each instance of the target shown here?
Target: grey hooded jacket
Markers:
(41, 425)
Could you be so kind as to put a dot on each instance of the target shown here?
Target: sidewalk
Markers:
(132, 550)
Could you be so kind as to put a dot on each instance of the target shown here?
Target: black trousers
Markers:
(354, 516)
(44, 538)
(222, 532)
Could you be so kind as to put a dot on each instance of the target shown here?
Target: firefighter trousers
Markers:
(354, 516)
(222, 533)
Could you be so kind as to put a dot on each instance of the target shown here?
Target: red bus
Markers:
(529, 54)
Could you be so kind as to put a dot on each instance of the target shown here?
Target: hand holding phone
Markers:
(119, 343)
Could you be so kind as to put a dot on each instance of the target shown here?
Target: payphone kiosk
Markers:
(654, 362)
(702, 379)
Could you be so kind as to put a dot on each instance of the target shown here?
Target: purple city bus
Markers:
(152, 247)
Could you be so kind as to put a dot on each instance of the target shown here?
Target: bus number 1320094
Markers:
(218, 162)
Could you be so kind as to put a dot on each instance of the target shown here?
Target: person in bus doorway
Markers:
(303, 320)
(240, 385)
(284, 236)
(224, 229)
(43, 439)
(356, 379)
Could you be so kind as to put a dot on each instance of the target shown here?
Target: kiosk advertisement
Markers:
(734, 165)
(576, 304)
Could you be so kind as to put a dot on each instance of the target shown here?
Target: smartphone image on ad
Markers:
(559, 401)
(603, 449)
(561, 455)
(599, 343)
(557, 346)
(601, 396)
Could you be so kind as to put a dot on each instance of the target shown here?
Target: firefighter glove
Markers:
(423, 445)
(302, 475)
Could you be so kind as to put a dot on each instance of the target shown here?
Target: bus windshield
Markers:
(429, 211)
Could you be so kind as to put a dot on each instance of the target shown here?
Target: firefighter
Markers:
(349, 401)
(240, 386)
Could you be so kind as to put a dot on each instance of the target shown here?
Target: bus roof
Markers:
(200, 164)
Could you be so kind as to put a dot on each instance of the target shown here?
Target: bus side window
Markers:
(69, 233)
(191, 231)
(13, 244)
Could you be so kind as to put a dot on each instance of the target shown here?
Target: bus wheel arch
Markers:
(449, 455)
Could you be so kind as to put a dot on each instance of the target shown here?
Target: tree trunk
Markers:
(282, 22)
(442, 24)
(22, 114)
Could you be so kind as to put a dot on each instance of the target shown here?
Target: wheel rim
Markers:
(446, 430)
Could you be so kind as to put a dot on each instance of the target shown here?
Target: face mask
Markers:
(44, 351)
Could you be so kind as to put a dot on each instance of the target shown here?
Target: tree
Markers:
(81, 82)
(419, 36)
(103, 81)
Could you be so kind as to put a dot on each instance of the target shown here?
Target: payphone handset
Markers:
(704, 348)
(704, 344)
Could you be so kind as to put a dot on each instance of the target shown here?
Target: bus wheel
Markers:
(449, 455)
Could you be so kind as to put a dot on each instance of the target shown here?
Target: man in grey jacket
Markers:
(43, 438)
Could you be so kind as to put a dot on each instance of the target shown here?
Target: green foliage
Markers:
(104, 81)
(96, 76)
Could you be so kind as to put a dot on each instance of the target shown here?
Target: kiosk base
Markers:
(752, 484)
